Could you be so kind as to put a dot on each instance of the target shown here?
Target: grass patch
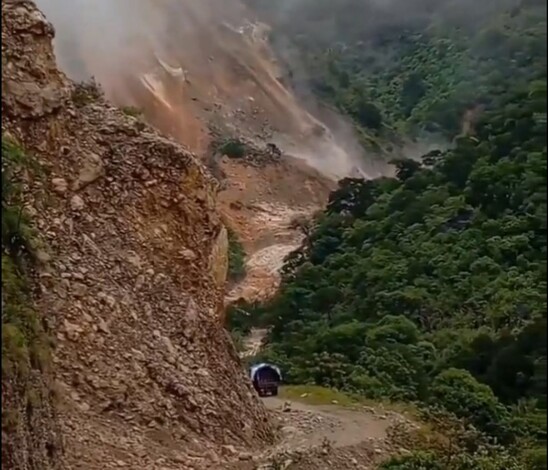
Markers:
(132, 111)
(18, 238)
(26, 353)
(25, 345)
(316, 395)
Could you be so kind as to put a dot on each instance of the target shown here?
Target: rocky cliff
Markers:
(131, 280)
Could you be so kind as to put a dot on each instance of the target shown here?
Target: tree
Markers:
(406, 168)
(459, 392)
(367, 114)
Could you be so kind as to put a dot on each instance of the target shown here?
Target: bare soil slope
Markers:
(198, 69)
(260, 204)
(189, 64)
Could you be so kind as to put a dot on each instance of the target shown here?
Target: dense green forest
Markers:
(410, 67)
(430, 287)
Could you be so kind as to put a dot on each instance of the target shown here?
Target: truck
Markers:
(266, 379)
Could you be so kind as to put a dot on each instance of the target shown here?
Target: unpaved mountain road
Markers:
(330, 437)
(316, 437)
(262, 205)
(340, 426)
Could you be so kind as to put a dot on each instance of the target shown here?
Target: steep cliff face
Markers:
(134, 277)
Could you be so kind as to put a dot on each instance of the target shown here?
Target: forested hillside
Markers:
(431, 287)
(410, 67)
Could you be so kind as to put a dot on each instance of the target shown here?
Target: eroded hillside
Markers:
(190, 65)
(130, 283)
(202, 73)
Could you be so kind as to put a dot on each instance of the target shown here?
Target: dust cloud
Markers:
(178, 59)
(111, 40)
(107, 40)
(334, 21)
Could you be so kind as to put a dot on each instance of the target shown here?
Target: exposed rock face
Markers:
(147, 375)
(31, 436)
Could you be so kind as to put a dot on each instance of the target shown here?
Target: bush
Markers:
(460, 393)
(415, 461)
(536, 458)
(366, 113)
(132, 111)
(233, 148)
(486, 460)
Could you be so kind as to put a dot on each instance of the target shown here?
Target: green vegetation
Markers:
(233, 148)
(238, 340)
(317, 395)
(434, 77)
(414, 66)
(484, 459)
(16, 231)
(132, 111)
(24, 343)
(430, 287)
(242, 316)
(85, 93)
(236, 258)
(446, 442)
(25, 346)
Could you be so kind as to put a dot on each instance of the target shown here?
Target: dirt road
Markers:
(330, 437)
(340, 426)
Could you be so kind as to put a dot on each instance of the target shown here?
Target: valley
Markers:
(161, 160)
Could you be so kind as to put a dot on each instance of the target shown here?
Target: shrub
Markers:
(233, 148)
(236, 258)
(460, 393)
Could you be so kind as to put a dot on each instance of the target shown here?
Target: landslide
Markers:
(207, 75)
(131, 282)
(189, 65)
(264, 205)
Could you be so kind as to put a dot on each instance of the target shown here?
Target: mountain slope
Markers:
(190, 66)
(132, 280)
(204, 73)
(431, 286)
(403, 69)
